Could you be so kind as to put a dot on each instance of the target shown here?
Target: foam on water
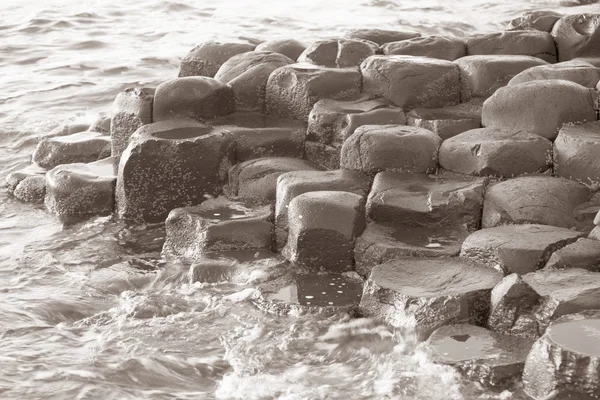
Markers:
(92, 311)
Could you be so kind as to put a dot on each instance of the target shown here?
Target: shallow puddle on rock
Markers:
(224, 213)
(426, 237)
(183, 133)
(581, 336)
(321, 291)
(465, 347)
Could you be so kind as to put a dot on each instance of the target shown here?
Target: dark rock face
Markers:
(577, 35)
(322, 227)
(381, 36)
(171, 164)
(444, 48)
(131, 109)
(584, 254)
(323, 155)
(577, 71)
(518, 107)
(293, 90)
(193, 97)
(340, 53)
(479, 354)
(257, 179)
(527, 43)
(206, 58)
(421, 200)
(78, 191)
(482, 75)
(528, 199)
(375, 148)
(575, 153)
(218, 225)
(290, 48)
(565, 362)
(247, 75)
(424, 294)
(542, 20)
(517, 248)
(81, 147)
(411, 82)
(496, 152)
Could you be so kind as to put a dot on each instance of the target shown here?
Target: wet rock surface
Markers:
(496, 152)
(481, 355)
(375, 148)
(218, 225)
(517, 248)
(411, 82)
(441, 47)
(565, 361)
(206, 58)
(575, 153)
(322, 227)
(425, 294)
(81, 147)
(130, 110)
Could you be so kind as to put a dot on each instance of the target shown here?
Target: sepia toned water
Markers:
(91, 311)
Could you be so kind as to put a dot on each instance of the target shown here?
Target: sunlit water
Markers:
(92, 312)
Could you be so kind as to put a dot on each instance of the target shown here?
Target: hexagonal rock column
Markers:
(257, 135)
(292, 184)
(293, 90)
(542, 20)
(247, 75)
(479, 354)
(576, 150)
(375, 148)
(517, 248)
(447, 121)
(78, 191)
(525, 43)
(584, 254)
(322, 227)
(14, 178)
(577, 35)
(288, 47)
(411, 82)
(444, 48)
(171, 164)
(535, 199)
(496, 152)
(481, 76)
(382, 242)
(218, 225)
(340, 53)
(206, 58)
(580, 72)
(381, 36)
(130, 110)
(540, 107)
(566, 360)
(32, 189)
(421, 200)
(81, 147)
(257, 179)
(424, 294)
(194, 97)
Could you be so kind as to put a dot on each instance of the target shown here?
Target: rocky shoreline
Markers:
(458, 177)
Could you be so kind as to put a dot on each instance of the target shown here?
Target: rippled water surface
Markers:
(92, 312)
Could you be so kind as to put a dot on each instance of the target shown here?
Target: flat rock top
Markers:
(463, 342)
(422, 277)
(491, 134)
(101, 170)
(531, 236)
(589, 131)
(255, 120)
(172, 130)
(321, 290)
(577, 333)
(223, 209)
(409, 60)
(564, 284)
(362, 104)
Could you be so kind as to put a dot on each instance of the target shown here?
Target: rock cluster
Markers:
(457, 176)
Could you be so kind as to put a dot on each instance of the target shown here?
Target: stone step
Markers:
(441, 47)
(380, 243)
(584, 254)
(402, 199)
(77, 191)
(218, 225)
(447, 121)
(422, 294)
(575, 153)
(481, 355)
(577, 71)
(531, 43)
(81, 147)
(565, 362)
(339, 52)
(517, 248)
